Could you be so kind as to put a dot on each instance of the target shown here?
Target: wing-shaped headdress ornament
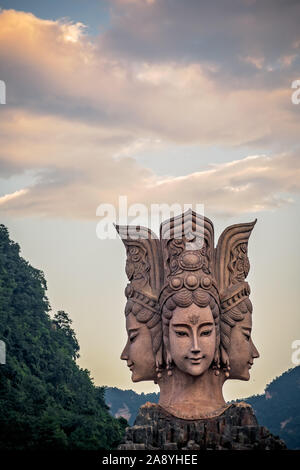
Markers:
(144, 271)
(232, 264)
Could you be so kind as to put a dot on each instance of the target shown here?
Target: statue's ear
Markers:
(169, 357)
(217, 355)
(159, 358)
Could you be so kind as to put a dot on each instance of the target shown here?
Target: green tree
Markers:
(46, 400)
(63, 323)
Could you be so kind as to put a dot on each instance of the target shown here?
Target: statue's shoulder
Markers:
(241, 414)
(236, 428)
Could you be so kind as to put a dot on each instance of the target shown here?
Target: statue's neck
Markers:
(192, 397)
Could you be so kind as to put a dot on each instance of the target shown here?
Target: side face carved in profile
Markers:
(143, 349)
(237, 350)
(241, 351)
(138, 352)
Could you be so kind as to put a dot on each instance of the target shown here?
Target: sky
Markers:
(163, 102)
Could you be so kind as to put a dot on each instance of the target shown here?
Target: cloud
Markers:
(77, 113)
(214, 32)
(53, 69)
(9, 197)
(253, 184)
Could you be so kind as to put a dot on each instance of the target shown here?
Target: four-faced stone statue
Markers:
(188, 312)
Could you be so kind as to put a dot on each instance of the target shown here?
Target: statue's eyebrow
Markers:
(133, 330)
(205, 323)
(180, 324)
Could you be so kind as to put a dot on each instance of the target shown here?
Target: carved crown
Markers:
(188, 253)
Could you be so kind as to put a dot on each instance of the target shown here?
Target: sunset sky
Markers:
(163, 101)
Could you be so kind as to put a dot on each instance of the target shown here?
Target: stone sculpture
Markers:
(236, 346)
(188, 318)
(143, 350)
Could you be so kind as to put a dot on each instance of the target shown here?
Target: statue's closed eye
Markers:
(206, 333)
(132, 338)
(180, 334)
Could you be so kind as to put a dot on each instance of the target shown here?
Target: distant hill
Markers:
(278, 408)
(126, 403)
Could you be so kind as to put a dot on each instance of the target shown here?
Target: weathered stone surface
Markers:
(236, 428)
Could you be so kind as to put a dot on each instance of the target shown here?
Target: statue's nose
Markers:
(255, 353)
(124, 355)
(195, 346)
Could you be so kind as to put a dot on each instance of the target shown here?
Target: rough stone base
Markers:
(236, 428)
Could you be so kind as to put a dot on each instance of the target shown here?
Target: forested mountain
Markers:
(278, 408)
(46, 400)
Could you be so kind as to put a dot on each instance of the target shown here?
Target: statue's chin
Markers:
(194, 371)
(139, 378)
(136, 378)
(241, 376)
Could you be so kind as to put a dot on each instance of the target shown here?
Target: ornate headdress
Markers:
(144, 272)
(188, 255)
(189, 268)
(232, 264)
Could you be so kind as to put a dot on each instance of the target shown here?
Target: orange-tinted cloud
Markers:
(51, 67)
(74, 111)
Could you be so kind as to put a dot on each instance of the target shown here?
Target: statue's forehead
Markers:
(131, 322)
(194, 319)
(192, 315)
(246, 322)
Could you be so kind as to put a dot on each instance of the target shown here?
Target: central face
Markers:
(138, 351)
(242, 349)
(192, 339)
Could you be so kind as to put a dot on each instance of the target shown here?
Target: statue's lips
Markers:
(195, 360)
(130, 365)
